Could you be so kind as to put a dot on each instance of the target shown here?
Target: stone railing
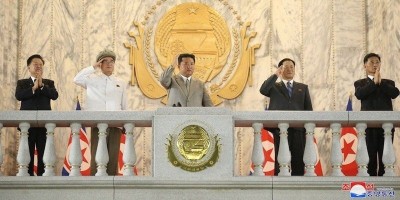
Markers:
(131, 119)
(75, 119)
(311, 119)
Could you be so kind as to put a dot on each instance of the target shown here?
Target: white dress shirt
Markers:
(102, 92)
(286, 81)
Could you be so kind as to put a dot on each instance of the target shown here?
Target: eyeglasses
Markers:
(111, 62)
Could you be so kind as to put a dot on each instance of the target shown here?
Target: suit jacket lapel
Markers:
(283, 89)
(181, 84)
(29, 82)
(296, 89)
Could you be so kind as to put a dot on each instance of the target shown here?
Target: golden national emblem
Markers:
(193, 149)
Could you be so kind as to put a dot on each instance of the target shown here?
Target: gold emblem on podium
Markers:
(193, 149)
(199, 29)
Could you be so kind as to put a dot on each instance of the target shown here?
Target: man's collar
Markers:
(184, 77)
(286, 81)
(105, 76)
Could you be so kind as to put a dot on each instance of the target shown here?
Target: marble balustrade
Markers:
(131, 119)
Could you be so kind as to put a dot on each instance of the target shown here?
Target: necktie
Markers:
(290, 89)
(187, 83)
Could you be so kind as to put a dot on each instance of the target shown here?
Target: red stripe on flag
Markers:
(349, 142)
(121, 155)
(85, 151)
(267, 141)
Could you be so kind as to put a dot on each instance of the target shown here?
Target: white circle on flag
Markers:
(348, 138)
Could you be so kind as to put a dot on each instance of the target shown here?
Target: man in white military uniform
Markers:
(104, 92)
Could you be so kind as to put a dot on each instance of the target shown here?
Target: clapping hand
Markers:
(377, 76)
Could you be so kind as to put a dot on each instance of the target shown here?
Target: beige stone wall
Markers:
(327, 39)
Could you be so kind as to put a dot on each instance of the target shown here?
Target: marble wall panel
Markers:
(8, 78)
(327, 39)
(317, 37)
(383, 21)
(287, 33)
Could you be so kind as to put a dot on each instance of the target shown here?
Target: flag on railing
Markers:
(318, 166)
(120, 157)
(85, 150)
(348, 143)
(267, 141)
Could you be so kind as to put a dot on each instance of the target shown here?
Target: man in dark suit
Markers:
(288, 95)
(35, 94)
(376, 94)
(184, 89)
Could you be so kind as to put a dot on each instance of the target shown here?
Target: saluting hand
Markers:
(278, 71)
(98, 63)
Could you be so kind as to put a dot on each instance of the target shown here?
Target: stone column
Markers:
(362, 153)
(129, 156)
(23, 157)
(75, 155)
(258, 155)
(336, 151)
(102, 152)
(388, 157)
(49, 156)
(1, 150)
(310, 154)
(284, 156)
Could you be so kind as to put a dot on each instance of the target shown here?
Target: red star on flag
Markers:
(347, 148)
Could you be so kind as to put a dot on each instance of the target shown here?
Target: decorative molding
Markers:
(333, 54)
(19, 48)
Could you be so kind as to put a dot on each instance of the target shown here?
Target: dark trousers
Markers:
(113, 143)
(375, 140)
(297, 143)
(36, 137)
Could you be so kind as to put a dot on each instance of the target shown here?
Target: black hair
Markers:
(29, 61)
(370, 55)
(286, 59)
(186, 55)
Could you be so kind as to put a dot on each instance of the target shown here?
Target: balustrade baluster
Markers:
(362, 153)
(23, 157)
(310, 154)
(258, 154)
(336, 151)
(1, 150)
(102, 157)
(129, 156)
(284, 156)
(388, 157)
(75, 155)
(49, 156)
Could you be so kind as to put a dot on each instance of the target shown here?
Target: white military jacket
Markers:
(102, 92)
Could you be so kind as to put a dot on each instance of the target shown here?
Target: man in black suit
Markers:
(35, 94)
(376, 94)
(288, 95)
